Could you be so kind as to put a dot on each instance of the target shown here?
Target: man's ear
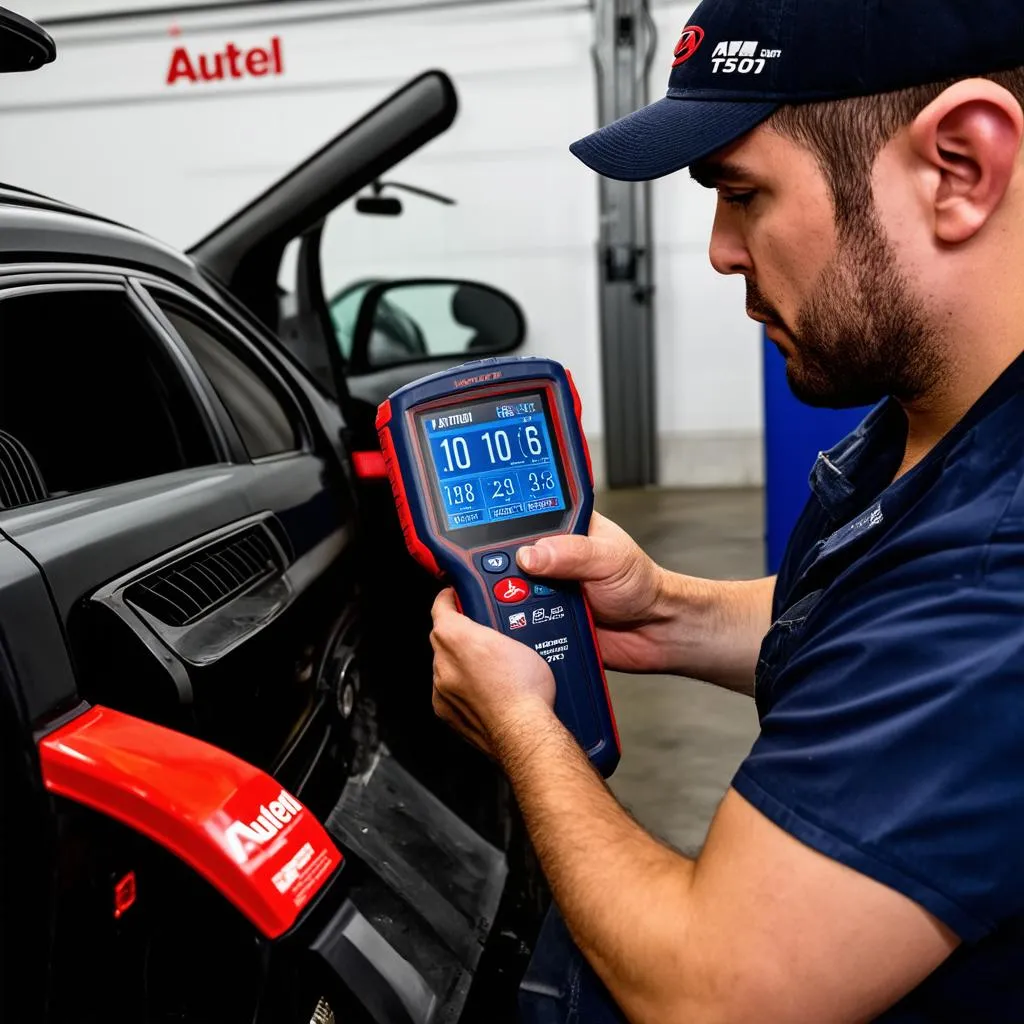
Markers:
(970, 141)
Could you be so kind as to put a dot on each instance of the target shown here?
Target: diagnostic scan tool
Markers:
(485, 459)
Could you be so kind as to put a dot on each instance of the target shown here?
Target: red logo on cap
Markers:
(689, 44)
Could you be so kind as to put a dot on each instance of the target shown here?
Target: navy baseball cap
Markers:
(738, 61)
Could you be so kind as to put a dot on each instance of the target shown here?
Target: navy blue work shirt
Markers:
(891, 689)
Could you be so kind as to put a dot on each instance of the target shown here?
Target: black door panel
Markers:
(35, 675)
(87, 539)
(35, 642)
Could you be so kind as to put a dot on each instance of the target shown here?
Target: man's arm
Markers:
(760, 927)
(652, 620)
(712, 630)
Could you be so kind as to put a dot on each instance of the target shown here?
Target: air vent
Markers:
(191, 588)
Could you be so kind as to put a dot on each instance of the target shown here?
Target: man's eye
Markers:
(740, 199)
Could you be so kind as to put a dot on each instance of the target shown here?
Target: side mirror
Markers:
(417, 321)
(24, 46)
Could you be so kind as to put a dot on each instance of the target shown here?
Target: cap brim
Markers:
(667, 136)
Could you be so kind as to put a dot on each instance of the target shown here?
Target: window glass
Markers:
(260, 416)
(88, 397)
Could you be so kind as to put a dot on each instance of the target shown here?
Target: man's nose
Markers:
(728, 252)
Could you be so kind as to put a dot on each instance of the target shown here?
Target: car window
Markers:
(261, 417)
(89, 397)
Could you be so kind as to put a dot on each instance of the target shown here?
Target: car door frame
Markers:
(141, 285)
(244, 254)
(17, 280)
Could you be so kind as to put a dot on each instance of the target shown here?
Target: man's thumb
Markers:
(569, 556)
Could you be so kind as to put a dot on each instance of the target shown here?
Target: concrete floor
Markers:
(682, 741)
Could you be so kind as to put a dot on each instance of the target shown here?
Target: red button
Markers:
(511, 591)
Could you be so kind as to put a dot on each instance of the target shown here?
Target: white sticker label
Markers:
(553, 650)
(288, 875)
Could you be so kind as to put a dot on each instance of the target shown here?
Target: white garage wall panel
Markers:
(710, 397)
(101, 128)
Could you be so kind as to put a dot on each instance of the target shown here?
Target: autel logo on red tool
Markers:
(241, 837)
(231, 62)
(688, 45)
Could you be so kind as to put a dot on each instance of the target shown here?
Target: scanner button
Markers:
(511, 590)
(496, 561)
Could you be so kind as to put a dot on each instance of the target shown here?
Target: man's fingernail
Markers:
(530, 559)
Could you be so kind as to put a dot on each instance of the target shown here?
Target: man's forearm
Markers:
(712, 630)
(623, 895)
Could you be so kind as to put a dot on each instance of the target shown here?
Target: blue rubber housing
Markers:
(558, 623)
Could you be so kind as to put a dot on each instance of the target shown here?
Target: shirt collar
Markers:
(847, 479)
(849, 476)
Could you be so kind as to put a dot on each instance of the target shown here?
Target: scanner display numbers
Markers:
(494, 462)
(460, 494)
(494, 448)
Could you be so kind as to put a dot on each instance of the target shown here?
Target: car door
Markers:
(277, 238)
(151, 441)
(245, 257)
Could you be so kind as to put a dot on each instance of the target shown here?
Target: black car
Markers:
(195, 535)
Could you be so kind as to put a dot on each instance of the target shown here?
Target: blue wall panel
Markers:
(794, 435)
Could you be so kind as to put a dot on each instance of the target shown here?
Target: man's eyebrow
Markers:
(714, 173)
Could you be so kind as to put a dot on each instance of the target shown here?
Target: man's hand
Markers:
(652, 620)
(486, 686)
(622, 584)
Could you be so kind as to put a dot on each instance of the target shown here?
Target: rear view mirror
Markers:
(24, 46)
(379, 206)
(416, 321)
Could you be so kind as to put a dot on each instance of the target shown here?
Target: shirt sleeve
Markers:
(894, 742)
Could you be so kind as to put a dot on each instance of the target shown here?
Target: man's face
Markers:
(837, 305)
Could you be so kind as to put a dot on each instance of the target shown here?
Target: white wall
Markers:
(101, 128)
(710, 398)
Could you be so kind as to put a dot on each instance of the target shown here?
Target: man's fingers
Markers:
(452, 629)
(449, 623)
(444, 604)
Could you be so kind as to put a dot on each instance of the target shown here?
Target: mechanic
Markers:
(868, 860)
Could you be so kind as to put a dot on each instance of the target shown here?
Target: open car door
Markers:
(245, 253)
(392, 324)
(366, 339)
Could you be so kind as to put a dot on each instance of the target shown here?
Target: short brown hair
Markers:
(846, 136)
